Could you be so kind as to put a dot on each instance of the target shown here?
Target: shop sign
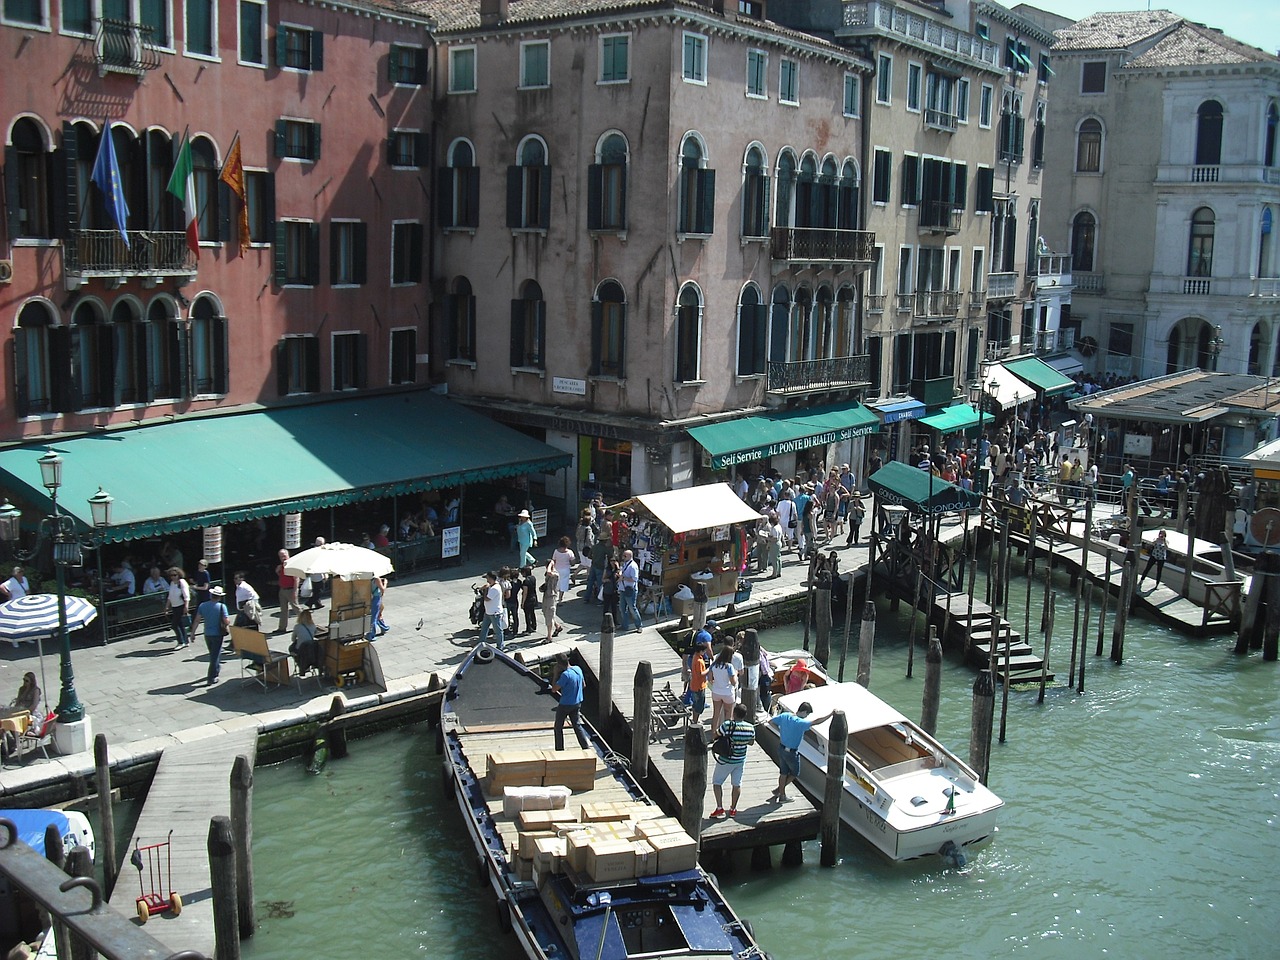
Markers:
(450, 541)
(791, 446)
(566, 385)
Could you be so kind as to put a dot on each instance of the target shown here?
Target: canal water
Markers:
(1140, 820)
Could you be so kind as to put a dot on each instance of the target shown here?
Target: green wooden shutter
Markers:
(269, 200)
(595, 196)
(280, 264)
(317, 50)
(282, 368)
(282, 140)
(68, 198)
(313, 254)
(362, 360)
(179, 359)
(421, 149)
(17, 350)
(597, 336)
(106, 360)
(544, 198)
(219, 357)
(11, 190)
(517, 333)
(444, 196)
(449, 316)
(415, 253)
(311, 354)
(225, 204)
(472, 175)
(706, 212)
(760, 317)
(540, 319)
(514, 220)
(64, 384)
(360, 268)
(282, 47)
(315, 141)
(333, 253)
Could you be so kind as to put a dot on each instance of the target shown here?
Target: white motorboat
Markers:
(904, 792)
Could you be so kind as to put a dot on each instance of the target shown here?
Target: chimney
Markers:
(492, 12)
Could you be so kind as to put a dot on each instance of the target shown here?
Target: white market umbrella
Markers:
(35, 617)
(345, 561)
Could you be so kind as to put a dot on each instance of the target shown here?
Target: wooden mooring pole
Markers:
(848, 615)
(222, 882)
(1048, 639)
(833, 792)
(932, 684)
(866, 643)
(1106, 596)
(1004, 697)
(810, 586)
(242, 834)
(984, 702)
(106, 817)
(822, 612)
(79, 864)
(693, 787)
(1191, 555)
(641, 724)
(605, 694)
(915, 617)
(751, 664)
(1082, 577)
(1127, 584)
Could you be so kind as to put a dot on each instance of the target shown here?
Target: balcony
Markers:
(1265, 287)
(875, 303)
(1053, 270)
(940, 216)
(906, 302)
(939, 120)
(124, 47)
(823, 245)
(937, 392)
(150, 253)
(937, 304)
(810, 376)
(880, 17)
(1002, 286)
(1087, 282)
(1175, 173)
(977, 299)
(1053, 341)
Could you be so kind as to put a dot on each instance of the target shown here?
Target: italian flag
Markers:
(183, 186)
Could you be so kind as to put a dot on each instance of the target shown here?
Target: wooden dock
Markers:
(192, 784)
(974, 631)
(759, 823)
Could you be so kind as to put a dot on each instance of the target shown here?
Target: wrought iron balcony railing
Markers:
(804, 376)
(124, 47)
(149, 253)
(940, 216)
(822, 245)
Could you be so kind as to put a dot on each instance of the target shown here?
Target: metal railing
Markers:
(800, 376)
(149, 252)
(940, 215)
(823, 245)
(124, 47)
(940, 119)
(893, 19)
(937, 303)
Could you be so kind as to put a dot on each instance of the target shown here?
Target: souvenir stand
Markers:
(695, 535)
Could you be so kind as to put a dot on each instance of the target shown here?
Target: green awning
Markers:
(206, 471)
(919, 491)
(953, 419)
(1040, 375)
(731, 442)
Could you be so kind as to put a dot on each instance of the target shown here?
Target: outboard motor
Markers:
(952, 854)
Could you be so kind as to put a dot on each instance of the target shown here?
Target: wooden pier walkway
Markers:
(759, 822)
(192, 784)
(975, 631)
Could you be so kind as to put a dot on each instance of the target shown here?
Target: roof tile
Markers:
(1112, 31)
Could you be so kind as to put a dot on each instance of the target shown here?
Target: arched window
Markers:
(31, 163)
(846, 318)
(847, 200)
(779, 314)
(1084, 236)
(808, 213)
(755, 195)
(607, 185)
(164, 210)
(1266, 245)
(798, 338)
(92, 364)
(1089, 147)
(608, 331)
(1200, 248)
(204, 160)
(786, 189)
(828, 194)
(130, 352)
(458, 193)
(1033, 237)
(529, 187)
(688, 334)
(1037, 137)
(208, 346)
(529, 328)
(1257, 344)
(753, 331)
(166, 352)
(823, 325)
(460, 316)
(1209, 133)
(1012, 129)
(33, 392)
(1269, 136)
(697, 189)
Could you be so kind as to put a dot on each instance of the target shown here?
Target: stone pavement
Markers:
(143, 693)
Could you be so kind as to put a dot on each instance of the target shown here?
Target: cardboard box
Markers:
(604, 812)
(522, 867)
(544, 819)
(646, 858)
(527, 845)
(657, 827)
(576, 845)
(676, 852)
(517, 799)
(609, 860)
(575, 769)
(514, 768)
(550, 855)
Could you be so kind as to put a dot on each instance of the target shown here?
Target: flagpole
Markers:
(230, 150)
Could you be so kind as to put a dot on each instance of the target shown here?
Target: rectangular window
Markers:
(1044, 71)
(914, 72)
(615, 58)
(253, 31)
(757, 65)
(407, 148)
(299, 48)
(851, 94)
(535, 64)
(695, 58)
(259, 202)
(407, 65)
(404, 355)
(349, 361)
(985, 106)
(462, 70)
(77, 16)
(32, 13)
(910, 180)
(1093, 76)
(348, 253)
(202, 28)
(298, 139)
(1120, 339)
(297, 253)
(983, 30)
(154, 14)
(884, 79)
(962, 100)
(978, 279)
(406, 252)
(298, 365)
(881, 176)
(904, 271)
(984, 185)
(789, 81)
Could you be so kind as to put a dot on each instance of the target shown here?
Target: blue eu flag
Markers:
(106, 174)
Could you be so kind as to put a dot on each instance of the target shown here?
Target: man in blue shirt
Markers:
(217, 623)
(569, 685)
(791, 730)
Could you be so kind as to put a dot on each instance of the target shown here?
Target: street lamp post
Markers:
(1216, 343)
(66, 551)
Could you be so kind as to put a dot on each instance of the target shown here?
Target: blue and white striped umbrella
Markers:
(36, 616)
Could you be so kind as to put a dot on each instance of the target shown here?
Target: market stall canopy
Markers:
(919, 491)
(1039, 375)
(1189, 396)
(694, 508)
(898, 409)
(744, 439)
(1010, 391)
(952, 419)
(213, 470)
(1065, 364)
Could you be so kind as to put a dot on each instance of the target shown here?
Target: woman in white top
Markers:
(563, 561)
(179, 603)
(723, 681)
(17, 585)
(786, 518)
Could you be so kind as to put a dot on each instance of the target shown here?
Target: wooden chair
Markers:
(270, 665)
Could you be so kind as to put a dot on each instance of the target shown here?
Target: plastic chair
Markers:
(38, 736)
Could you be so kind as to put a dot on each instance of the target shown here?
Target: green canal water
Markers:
(1140, 821)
